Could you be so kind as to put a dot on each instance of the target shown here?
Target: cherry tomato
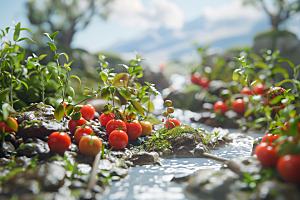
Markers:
(118, 139)
(87, 111)
(115, 124)
(195, 77)
(204, 82)
(220, 107)
(259, 88)
(59, 141)
(288, 168)
(65, 103)
(239, 106)
(246, 90)
(134, 129)
(171, 123)
(80, 131)
(11, 125)
(266, 154)
(106, 118)
(90, 145)
(73, 124)
(146, 128)
(269, 138)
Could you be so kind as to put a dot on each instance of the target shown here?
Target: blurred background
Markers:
(174, 36)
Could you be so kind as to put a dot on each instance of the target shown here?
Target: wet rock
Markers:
(181, 178)
(200, 149)
(210, 184)
(119, 172)
(275, 190)
(145, 158)
(183, 152)
(213, 143)
(243, 165)
(6, 149)
(32, 149)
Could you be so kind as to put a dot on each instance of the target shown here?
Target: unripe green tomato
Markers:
(168, 102)
(170, 110)
(165, 114)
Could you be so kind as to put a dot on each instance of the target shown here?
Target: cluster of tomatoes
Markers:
(198, 80)
(238, 105)
(120, 131)
(83, 135)
(287, 162)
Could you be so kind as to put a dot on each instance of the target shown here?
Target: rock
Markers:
(6, 149)
(145, 158)
(210, 184)
(200, 149)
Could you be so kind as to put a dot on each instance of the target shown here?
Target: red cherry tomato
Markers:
(195, 77)
(269, 138)
(134, 129)
(288, 168)
(169, 123)
(118, 139)
(239, 106)
(73, 124)
(80, 131)
(11, 125)
(266, 154)
(204, 82)
(246, 90)
(220, 107)
(59, 141)
(87, 111)
(259, 88)
(89, 148)
(115, 124)
(104, 119)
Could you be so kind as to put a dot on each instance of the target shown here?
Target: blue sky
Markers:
(134, 18)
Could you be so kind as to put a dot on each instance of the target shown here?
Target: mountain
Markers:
(159, 46)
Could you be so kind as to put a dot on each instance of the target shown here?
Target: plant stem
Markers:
(11, 87)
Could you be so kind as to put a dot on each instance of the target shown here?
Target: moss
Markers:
(158, 140)
(29, 123)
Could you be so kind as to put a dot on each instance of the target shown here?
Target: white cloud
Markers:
(233, 10)
(162, 13)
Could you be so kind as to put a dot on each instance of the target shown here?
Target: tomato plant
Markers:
(134, 129)
(59, 141)
(80, 131)
(171, 123)
(146, 128)
(87, 111)
(266, 154)
(11, 125)
(259, 88)
(269, 138)
(115, 124)
(204, 82)
(220, 107)
(195, 78)
(90, 145)
(73, 124)
(239, 106)
(104, 119)
(118, 139)
(288, 168)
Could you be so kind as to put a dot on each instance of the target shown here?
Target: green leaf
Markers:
(25, 84)
(125, 93)
(287, 60)
(70, 91)
(276, 99)
(41, 57)
(144, 99)
(59, 112)
(150, 106)
(66, 55)
(261, 65)
(120, 79)
(25, 38)
(236, 75)
(117, 99)
(26, 29)
(101, 57)
(52, 36)
(32, 72)
(105, 93)
(52, 46)
(69, 109)
(282, 71)
(284, 81)
(48, 76)
(74, 76)
(249, 111)
(104, 76)
(138, 107)
(17, 31)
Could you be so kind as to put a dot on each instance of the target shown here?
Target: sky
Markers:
(133, 18)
